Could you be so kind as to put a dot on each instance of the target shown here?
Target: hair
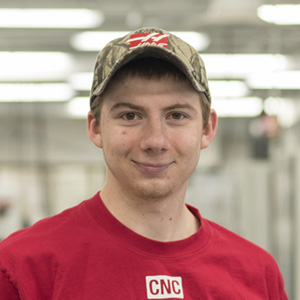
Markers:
(151, 68)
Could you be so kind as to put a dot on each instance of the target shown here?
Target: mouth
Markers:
(150, 168)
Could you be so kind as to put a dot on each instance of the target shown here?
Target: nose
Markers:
(154, 136)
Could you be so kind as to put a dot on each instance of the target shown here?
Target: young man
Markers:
(137, 239)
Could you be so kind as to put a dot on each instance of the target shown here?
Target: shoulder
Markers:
(252, 265)
(45, 234)
(48, 247)
(239, 249)
(45, 247)
(223, 241)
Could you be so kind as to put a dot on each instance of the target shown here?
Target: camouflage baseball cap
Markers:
(148, 42)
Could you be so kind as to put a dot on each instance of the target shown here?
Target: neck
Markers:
(165, 219)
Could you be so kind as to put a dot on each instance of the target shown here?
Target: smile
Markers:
(152, 168)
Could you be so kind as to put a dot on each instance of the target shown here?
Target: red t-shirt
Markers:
(85, 253)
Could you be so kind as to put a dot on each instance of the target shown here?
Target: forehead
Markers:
(134, 88)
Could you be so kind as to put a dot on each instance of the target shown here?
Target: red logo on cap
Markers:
(146, 39)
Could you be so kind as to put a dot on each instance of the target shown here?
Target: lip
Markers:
(150, 168)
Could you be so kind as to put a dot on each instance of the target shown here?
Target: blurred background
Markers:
(248, 180)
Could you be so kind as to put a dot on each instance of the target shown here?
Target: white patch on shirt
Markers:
(164, 287)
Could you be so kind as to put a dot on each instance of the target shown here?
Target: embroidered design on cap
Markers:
(148, 38)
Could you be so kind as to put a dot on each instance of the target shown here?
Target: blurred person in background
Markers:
(136, 238)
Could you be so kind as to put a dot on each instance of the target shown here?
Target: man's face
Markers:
(151, 133)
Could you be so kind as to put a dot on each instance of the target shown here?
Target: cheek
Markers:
(189, 148)
(117, 140)
(189, 141)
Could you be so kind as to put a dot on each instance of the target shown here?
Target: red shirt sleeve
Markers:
(7, 289)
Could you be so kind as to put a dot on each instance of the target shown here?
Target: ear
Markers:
(94, 131)
(210, 129)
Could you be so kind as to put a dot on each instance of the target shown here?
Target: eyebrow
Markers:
(180, 106)
(126, 104)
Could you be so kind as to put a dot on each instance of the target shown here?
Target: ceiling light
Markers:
(96, 40)
(282, 14)
(50, 18)
(285, 110)
(29, 92)
(238, 107)
(200, 41)
(34, 66)
(228, 88)
(81, 81)
(93, 40)
(275, 80)
(241, 65)
(78, 107)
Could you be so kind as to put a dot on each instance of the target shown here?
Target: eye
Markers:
(129, 116)
(177, 116)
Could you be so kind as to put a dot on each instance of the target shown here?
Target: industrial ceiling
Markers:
(232, 27)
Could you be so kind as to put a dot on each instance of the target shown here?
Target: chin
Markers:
(153, 192)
